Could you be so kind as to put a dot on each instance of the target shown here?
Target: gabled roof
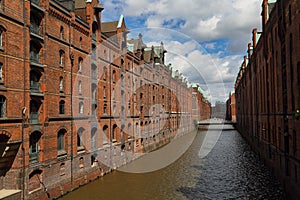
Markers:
(80, 4)
(107, 27)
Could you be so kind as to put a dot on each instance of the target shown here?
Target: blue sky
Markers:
(207, 37)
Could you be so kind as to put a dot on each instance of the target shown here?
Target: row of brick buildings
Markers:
(77, 99)
(268, 91)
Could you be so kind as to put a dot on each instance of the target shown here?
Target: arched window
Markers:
(61, 141)
(34, 146)
(105, 109)
(62, 107)
(35, 52)
(104, 130)
(61, 83)
(94, 30)
(35, 21)
(114, 76)
(2, 106)
(80, 138)
(34, 111)
(114, 133)
(61, 58)
(104, 92)
(80, 41)
(61, 33)
(81, 108)
(79, 87)
(35, 81)
(80, 60)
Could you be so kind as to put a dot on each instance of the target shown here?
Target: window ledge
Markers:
(61, 153)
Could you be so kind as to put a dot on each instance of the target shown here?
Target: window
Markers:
(61, 83)
(61, 140)
(114, 133)
(104, 92)
(62, 107)
(79, 87)
(105, 134)
(114, 109)
(35, 22)
(114, 76)
(35, 81)
(94, 30)
(79, 137)
(2, 106)
(61, 32)
(81, 108)
(80, 41)
(105, 109)
(35, 52)
(61, 58)
(34, 146)
(1, 72)
(80, 60)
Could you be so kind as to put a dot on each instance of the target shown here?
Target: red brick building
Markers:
(231, 107)
(75, 95)
(268, 91)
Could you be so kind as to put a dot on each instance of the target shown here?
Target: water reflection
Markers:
(230, 171)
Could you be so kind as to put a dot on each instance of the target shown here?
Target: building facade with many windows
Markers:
(268, 91)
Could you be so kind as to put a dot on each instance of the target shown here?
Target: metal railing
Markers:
(34, 118)
(34, 28)
(34, 86)
(37, 2)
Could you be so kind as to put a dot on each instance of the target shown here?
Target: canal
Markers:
(229, 171)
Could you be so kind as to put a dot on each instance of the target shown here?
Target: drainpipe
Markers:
(71, 104)
(23, 173)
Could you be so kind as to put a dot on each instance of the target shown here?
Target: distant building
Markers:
(267, 92)
(75, 95)
(219, 110)
(230, 107)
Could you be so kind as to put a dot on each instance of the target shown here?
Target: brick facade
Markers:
(74, 97)
(268, 91)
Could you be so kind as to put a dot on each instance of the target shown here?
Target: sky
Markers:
(205, 40)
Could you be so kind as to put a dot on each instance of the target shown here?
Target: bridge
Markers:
(216, 124)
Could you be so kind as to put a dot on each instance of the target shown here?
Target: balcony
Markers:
(35, 60)
(34, 118)
(34, 86)
(35, 31)
(35, 89)
(37, 6)
(34, 157)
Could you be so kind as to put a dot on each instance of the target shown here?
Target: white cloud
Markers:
(202, 20)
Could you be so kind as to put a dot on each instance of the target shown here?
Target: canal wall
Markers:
(79, 171)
